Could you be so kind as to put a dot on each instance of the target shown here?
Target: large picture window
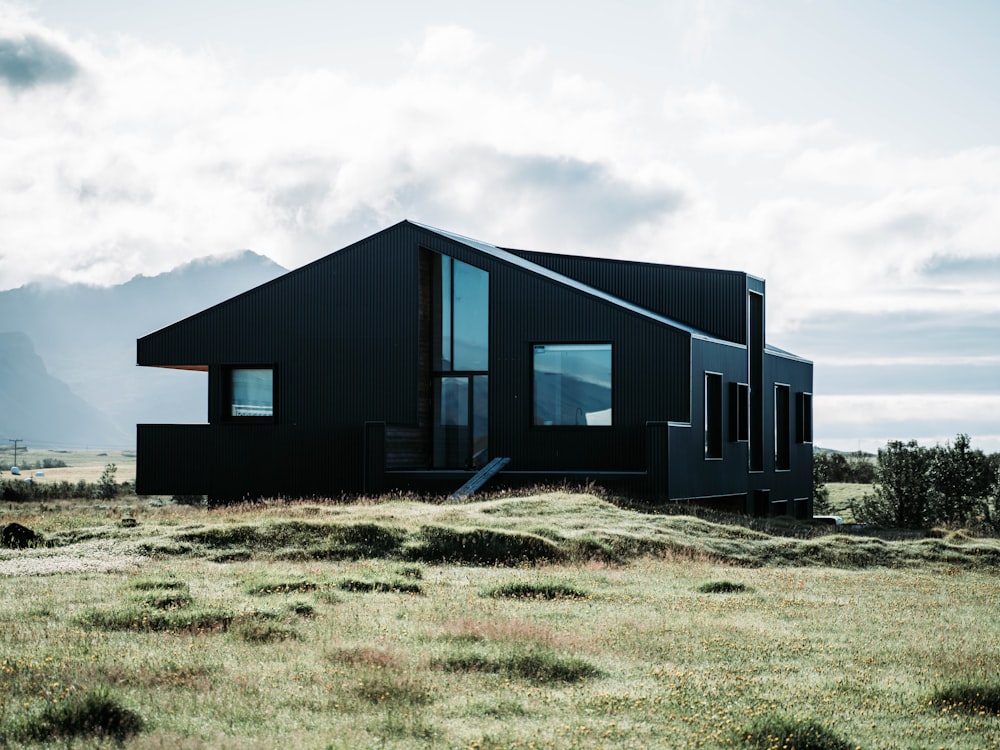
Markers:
(572, 385)
(251, 392)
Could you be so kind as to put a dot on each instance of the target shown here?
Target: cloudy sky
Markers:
(848, 151)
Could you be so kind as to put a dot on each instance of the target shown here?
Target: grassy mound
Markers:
(535, 665)
(481, 546)
(93, 715)
(778, 733)
(969, 697)
(541, 590)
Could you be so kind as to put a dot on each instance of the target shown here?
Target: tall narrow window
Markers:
(460, 305)
(713, 415)
(739, 412)
(782, 428)
(251, 392)
(572, 385)
(804, 417)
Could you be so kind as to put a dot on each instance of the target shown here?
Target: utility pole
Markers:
(15, 441)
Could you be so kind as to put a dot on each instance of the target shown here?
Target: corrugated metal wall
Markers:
(343, 335)
(709, 300)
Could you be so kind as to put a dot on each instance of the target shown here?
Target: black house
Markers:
(412, 357)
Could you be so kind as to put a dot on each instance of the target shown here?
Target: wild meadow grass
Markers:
(552, 621)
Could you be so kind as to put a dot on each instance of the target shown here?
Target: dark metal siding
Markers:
(343, 336)
(709, 300)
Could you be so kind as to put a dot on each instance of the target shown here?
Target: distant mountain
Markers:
(33, 402)
(86, 337)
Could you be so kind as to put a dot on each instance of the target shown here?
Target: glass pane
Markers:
(572, 384)
(480, 420)
(451, 422)
(441, 301)
(253, 393)
(471, 317)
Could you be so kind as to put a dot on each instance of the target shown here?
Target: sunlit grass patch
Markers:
(466, 630)
(540, 590)
(95, 714)
(973, 697)
(364, 656)
(499, 709)
(263, 627)
(781, 733)
(387, 686)
(157, 676)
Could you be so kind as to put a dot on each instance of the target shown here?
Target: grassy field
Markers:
(549, 621)
(80, 464)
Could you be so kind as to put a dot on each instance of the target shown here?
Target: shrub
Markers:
(94, 714)
(722, 587)
(365, 587)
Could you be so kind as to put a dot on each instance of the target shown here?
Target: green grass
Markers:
(551, 621)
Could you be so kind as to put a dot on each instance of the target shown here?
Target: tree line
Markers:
(917, 487)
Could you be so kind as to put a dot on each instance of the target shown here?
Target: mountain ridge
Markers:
(86, 335)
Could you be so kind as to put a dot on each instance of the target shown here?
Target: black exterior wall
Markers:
(343, 336)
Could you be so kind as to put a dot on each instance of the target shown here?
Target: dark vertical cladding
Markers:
(706, 299)
(649, 374)
(348, 341)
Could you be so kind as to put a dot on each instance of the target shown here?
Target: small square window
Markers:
(251, 392)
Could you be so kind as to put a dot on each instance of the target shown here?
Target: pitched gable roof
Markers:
(534, 268)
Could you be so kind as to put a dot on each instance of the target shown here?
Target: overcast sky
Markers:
(846, 151)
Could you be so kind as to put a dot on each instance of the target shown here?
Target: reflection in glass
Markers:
(461, 304)
(252, 392)
(572, 384)
(471, 318)
(451, 422)
(480, 421)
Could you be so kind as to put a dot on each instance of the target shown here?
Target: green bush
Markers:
(95, 714)
(722, 587)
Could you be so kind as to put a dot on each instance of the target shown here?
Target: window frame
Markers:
(783, 428)
(533, 423)
(804, 417)
(739, 412)
(228, 388)
(713, 415)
